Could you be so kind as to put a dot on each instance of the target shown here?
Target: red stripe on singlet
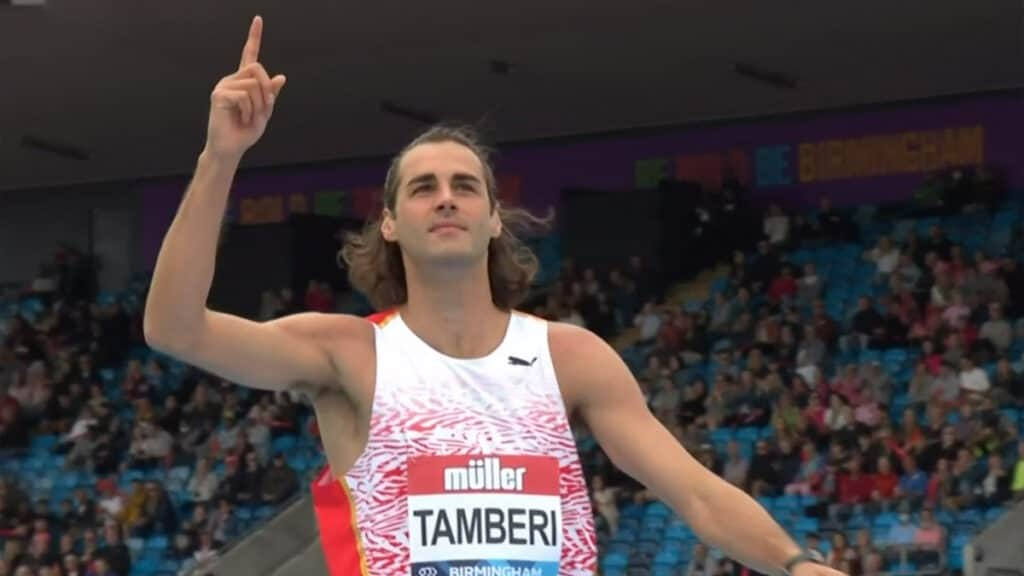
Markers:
(336, 512)
(339, 532)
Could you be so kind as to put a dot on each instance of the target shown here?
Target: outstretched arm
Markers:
(290, 352)
(606, 395)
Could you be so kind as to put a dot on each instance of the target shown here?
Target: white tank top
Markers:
(470, 468)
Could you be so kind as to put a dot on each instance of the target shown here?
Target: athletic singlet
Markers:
(470, 468)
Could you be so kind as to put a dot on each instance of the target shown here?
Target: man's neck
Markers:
(454, 312)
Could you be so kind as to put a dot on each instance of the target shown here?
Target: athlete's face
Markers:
(442, 211)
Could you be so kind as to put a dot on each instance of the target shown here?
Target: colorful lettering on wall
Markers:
(782, 164)
(355, 203)
(899, 153)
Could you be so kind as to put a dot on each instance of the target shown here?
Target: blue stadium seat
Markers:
(968, 517)
(721, 436)
(885, 520)
(665, 569)
(679, 532)
(615, 561)
(145, 567)
(156, 543)
(283, 444)
(666, 558)
(994, 514)
(748, 434)
(657, 510)
(807, 524)
(624, 537)
(788, 502)
(136, 545)
(44, 444)
(1011, 414)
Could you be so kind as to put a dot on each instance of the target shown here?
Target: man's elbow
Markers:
(166, 337)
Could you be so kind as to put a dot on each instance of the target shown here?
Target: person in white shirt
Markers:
(885, 256)
(973, 380)
(997, 329)
(776, 226)
(649, 322)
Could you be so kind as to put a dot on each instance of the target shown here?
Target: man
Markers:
(444, 419)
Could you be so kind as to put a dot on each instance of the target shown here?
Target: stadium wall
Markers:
(870, 155)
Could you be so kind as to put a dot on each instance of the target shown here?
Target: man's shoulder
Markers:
(571, 340)
(579, 354)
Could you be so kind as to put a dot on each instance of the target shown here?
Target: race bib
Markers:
(496, 515)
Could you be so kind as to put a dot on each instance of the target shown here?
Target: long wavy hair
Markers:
(375, 265)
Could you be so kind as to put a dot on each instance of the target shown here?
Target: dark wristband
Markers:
(804, 556)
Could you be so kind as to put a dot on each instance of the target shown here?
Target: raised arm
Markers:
(598, 384)
(273, 355)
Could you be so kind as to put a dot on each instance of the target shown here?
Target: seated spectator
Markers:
(914, 482)
(868, 411)
(974, 381)
(284, 415)
(839, 415)
(811, 351)
(150, 447)
(810, 474)
(763, 474)
(247, 486)
(203, 483)
(965, 480)
(14, 427)
(946, 385)
(111, 502)
(279, 481)
(873, 565)
(735, 467)
(903, 531)
(605, 500)
(886, 257)
(787, 417)
(997, 330)
(907, 271)
(929, 540)
(957, 313)
(206, 550)
(884, 482)
(1007, 385)
(701, 563)
(840, 551)
(648, 320)
(811, 285)
(864, 546)
(223, 523)
(996, 486)
(776, 226)
(783, 287)
(114, 551)
(157, 515)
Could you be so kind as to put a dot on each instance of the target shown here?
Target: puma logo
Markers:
(516, 361)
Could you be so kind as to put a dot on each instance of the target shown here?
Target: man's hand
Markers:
(241, 103)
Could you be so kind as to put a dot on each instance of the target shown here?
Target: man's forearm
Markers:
(729, 519)
(184, 267)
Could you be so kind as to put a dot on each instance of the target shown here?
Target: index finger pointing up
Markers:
(251, 51)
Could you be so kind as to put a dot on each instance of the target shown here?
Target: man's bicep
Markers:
(284, 353)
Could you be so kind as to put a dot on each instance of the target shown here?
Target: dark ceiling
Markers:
(127, 82)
